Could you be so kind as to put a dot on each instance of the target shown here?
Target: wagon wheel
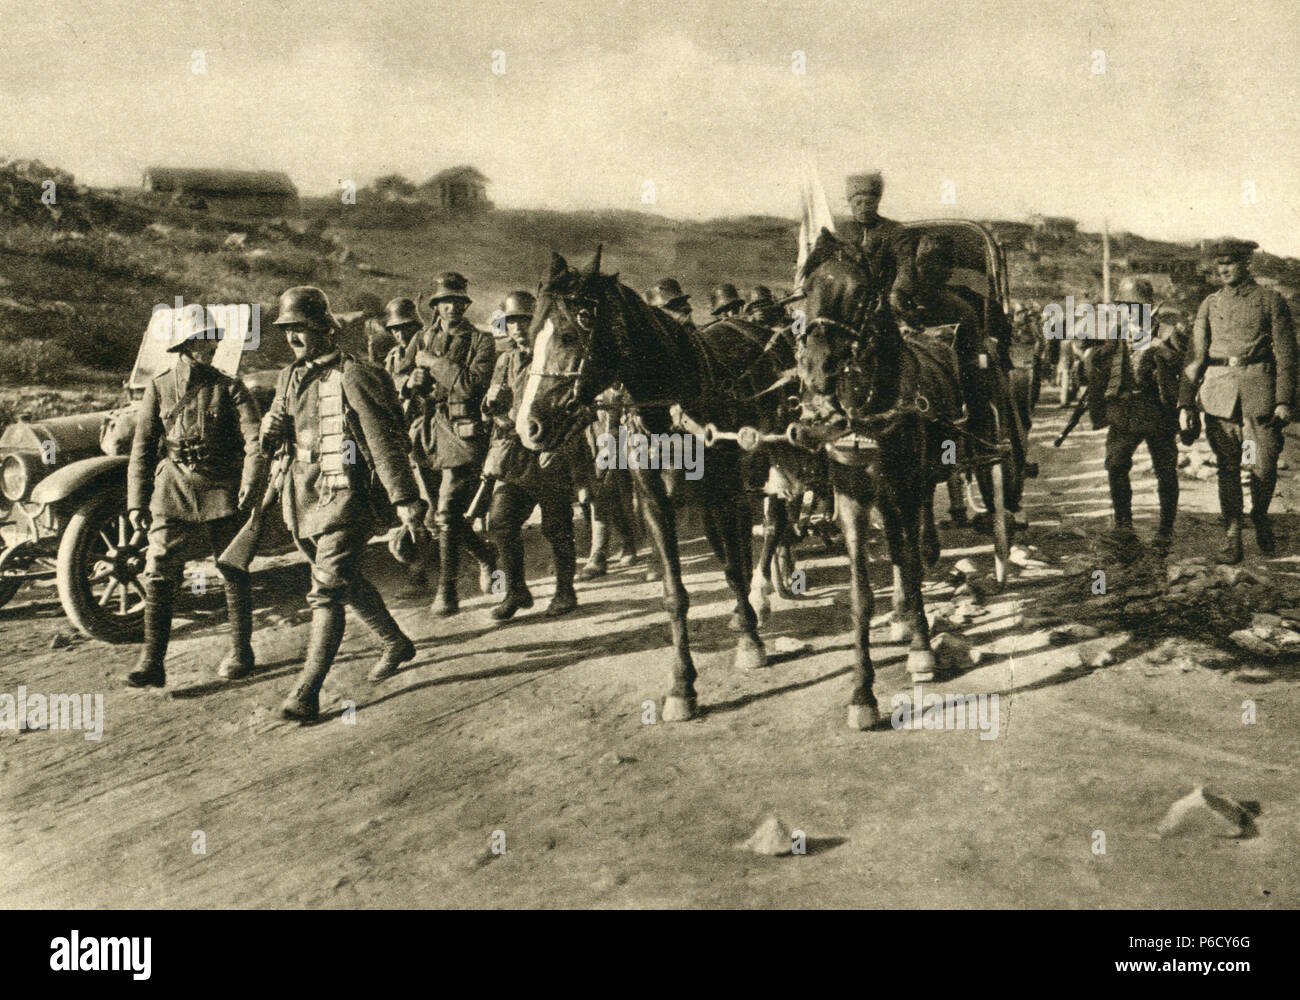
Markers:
(99, 564)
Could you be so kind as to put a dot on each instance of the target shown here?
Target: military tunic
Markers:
(336, 484)
(1241, 364)
(195, 446)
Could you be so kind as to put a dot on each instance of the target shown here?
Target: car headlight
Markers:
(14, 478)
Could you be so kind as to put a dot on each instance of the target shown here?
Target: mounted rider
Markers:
(725, 301)
(883, 240)
(668, 296)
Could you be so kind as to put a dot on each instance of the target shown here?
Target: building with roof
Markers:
(234, 193)
(457, 189)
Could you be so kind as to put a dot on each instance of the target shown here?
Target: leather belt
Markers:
(1238, 361)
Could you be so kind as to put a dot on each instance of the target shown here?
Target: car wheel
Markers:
(99, 565)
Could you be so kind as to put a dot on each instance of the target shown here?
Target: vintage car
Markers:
(64, 482)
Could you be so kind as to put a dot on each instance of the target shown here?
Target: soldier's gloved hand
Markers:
(139, 519)
(1186, 419)
(275, 425)
(1281, 414)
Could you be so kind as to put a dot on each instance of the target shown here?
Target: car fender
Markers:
(78, 476)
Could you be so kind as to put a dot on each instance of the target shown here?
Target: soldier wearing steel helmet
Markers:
(453, 366)
(1134, 384)
(668, 296)
(725, 301)
(524, 482)
(1241, 373)
(195, 464)
(762, 308)
(341, 421)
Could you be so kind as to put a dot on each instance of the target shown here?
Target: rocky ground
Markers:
(1144, 753)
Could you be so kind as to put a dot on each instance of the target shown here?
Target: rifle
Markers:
(1073, 422)
(238, 555)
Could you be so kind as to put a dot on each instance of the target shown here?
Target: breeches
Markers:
(168, 539)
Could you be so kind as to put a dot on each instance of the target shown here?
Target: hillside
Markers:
(79, 277)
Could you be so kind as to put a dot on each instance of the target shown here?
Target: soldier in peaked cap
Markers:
(1134, 384)
(525, 483)
(725, 301)
(1241, 372)
(668, 296)
(453, 365)
(340, 420)
(194, 465)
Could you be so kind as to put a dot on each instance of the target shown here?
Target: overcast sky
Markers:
(1197, 104)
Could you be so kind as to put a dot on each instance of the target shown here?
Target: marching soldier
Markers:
(341, 422)
(611, 494)
(194, 465)
(524, 483)
(402, 321)
(453, 366)
(668, 296)
(1241, 368)
(1133, 391)
(725, 301)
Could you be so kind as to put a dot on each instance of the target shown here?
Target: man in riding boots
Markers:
(524, 483)
(1241, 372)
(402, 321)
(341, 422)
(194, 465)
(668, 296)
(453, 366)
(1133, 391)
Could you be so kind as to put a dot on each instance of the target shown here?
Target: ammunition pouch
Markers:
(189, 451)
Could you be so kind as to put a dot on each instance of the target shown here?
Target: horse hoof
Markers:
(678, 709)
(920, 665)
(898, 632)
(863, 717)
(750, 655)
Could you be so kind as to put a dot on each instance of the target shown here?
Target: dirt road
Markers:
(533, 736)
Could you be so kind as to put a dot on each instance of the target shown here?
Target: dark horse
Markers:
(872, 397)
(589, 332)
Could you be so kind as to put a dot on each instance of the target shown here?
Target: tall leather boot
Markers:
(148, 670)
(565, 599)
(322, 646)
(596, 562)
(517, 596)
(446, 603)
(397, 647)
(1168, 494)
(1261, 495)
(239, 661)
(1121, 502)
(1230, 505)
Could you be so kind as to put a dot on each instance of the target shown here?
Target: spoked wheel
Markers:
(99, 571)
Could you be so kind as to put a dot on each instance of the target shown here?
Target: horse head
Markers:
(576, 354)
(846, 336)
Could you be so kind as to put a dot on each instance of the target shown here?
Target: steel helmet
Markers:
(399, 312)
(518, 303)
(668, 294)
(308, 305)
